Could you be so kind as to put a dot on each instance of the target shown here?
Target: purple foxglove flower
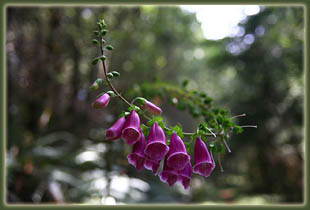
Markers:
(168, 175)
(156, 147)
(115, 131)
(102, 101)
(185, 175)
(150, 164)
(204, 163)
(177, 157)
(131, 131)
(137, 157)
(151, 108)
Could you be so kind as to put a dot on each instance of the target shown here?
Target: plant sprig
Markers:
(216, 123)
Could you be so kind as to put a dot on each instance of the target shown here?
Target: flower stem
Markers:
(130, 104)
(240, 115)
(248, 126)
(220, 163)
(226, 145)
(108, 80)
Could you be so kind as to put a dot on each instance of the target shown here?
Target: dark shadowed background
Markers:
(56, 151)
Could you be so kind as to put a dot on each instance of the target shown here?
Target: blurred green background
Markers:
(56, 152)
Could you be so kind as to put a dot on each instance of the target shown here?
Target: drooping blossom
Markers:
(168, 175)
(156, 147)
(102, 101)
(204, 163)
(177, 156)
(137, 157)
(115, 131)
(185, 175)
(153, 165)
(131, 130)
(151, 108)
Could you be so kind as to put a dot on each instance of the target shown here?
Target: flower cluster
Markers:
(148, 153)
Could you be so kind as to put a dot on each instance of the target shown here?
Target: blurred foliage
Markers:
(56, 150)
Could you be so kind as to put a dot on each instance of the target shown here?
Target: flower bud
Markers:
(115, 131)
(156, 148)
(151, 108)
(204, 163)
(185, 175)
(131, 131)
(177, 156)
(152, 165)
(102, 101)
(137, 157)
(168, 175)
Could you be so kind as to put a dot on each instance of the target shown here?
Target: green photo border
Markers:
(3, 97)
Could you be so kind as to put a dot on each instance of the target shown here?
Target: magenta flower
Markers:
(177, 156)
(185, 175)
(115, 131)
(150, 164)
(131, 131)
(102, 101)
(156, 147)
(137, 157)
(151, 108)
(204, 163)
(168, 175)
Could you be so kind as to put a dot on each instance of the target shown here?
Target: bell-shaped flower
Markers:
(151, 108)
(115, 131)
(168, 175)
(102, 101)
(177, 156)
(137, 157)
(204, 163)
(156, 147)
(131, 131)
(153, 165)
(185, 175)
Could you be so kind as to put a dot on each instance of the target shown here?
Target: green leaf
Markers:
(178, 130)
(109, 47)
(115, 74)
(95, 61)
(102, 41)
(96, 84)
(203, 95)
(207, 100)
(95, 41)
(185, 83)
(101, 24)
(140, 101)
(216, 110)
(133, 107)
(122, 114)
(219, 119)
(204, 138)
(157, 119)
(110, 75)
(144, 129)
(228, 123)
(181, 105)
(102, 58)
(220, 148)
(111, 93)
(104, 32)
(96, 33)
(238, 129)
(212, 144)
